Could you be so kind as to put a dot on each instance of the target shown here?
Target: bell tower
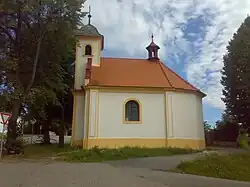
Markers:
(88, 54)
(153, 50)
(88, 51)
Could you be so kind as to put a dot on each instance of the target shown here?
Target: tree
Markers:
(207, 126)
(236, 76)
(66, 99)
(63, 109)
(37, 36)
(226, 130)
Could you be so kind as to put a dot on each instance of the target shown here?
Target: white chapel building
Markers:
(122, 102)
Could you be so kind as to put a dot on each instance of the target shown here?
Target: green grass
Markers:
(99, 155)
(233, 166)
(71, 154)
(2, 135)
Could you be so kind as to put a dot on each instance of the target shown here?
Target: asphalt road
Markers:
(145, 172)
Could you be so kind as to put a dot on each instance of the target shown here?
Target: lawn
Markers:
(232, 166)
(71, 154)
(99, 155)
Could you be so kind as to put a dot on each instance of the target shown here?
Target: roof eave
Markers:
(147, 87)
(202, 94)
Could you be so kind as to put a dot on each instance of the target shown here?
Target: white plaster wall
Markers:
(111, 116)
(79, 117)
(93, 113)
(85, 113)
(81, 60)
(200, 118)
(185, 116)
(169, 114)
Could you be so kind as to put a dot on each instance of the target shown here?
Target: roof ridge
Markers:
(160, 64)
(180, 77)
(125, 58)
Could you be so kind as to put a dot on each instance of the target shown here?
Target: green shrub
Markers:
(242, 141)
(3, 135)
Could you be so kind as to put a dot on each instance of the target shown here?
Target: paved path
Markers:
(168, 162)
(146, 172)
(154, 163)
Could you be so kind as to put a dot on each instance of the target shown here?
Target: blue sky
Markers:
(192, 34)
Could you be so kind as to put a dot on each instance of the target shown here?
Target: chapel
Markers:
(131, 102)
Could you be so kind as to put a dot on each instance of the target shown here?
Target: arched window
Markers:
(88, 50)
(132, 111)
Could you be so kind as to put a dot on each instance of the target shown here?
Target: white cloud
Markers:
(226, 19)
(128, 24)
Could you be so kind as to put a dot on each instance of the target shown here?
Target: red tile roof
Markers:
(138, 73)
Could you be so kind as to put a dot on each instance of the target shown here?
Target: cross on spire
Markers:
(89, 16)
(152, 36)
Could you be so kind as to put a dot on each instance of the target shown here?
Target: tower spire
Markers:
(89, 16)
(152, 37)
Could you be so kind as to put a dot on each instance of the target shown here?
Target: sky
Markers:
(192, 35)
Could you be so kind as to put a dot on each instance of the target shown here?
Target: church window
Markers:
(132, 111)
(88, 50)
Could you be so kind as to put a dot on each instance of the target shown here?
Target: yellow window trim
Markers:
(124, 112)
